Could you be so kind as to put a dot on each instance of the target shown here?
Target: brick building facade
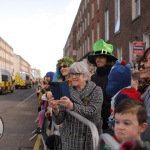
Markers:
(119, 22)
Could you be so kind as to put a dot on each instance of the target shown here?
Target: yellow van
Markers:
(6, 82)
(22, 80)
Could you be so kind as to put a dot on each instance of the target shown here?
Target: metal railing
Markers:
(91, 125)
(109, 140)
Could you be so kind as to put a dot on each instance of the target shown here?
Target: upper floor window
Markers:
(98, 30)
(92, 36)
(136, 8)
(98, 4)
(107, 25)
(117, 15)
(88, 19)
(85, 3)
(92, 10)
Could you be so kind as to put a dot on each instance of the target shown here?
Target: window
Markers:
(98, 30)
(146, 38)
(106, 25)
(92, 36)
(117, 15)
(88, 43)
(136, 9)
(4, 78)
(27, 77)
(85, 3)
(119, 54)
(82, 27)
(98, 4)
(85, 23)
(132, 56)
(92, 10)
(85, 47)
(88, 18)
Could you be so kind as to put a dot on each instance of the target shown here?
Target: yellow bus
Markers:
(6, 82)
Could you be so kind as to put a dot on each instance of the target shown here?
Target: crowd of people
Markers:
(112, 96)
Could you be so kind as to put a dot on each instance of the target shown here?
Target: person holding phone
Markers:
(61, 74)
(86, 99)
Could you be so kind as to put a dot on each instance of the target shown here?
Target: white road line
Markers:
(25, 100)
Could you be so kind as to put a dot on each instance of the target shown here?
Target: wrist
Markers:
(70, 106)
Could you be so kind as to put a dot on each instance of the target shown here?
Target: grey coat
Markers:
(75, 135)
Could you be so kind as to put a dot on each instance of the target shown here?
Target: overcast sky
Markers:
(37, 30)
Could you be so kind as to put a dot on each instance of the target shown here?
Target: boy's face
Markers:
(134, 83)
(127, 127)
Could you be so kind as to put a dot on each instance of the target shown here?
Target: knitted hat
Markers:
(101, 48)
(118, 78)
(127, 93)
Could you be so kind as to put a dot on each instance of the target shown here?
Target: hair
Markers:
(146, 53)
(80, 67)
(65, 60)
(133, 106)
(141, 59)
(136, 76)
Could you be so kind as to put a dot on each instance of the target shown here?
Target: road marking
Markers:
(25, 100)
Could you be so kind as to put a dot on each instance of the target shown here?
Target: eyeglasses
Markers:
(77, 75)
(141, 66)
(64, 66)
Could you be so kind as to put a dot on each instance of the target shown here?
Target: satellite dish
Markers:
(1, 127)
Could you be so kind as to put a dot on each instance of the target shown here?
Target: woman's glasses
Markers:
(141, 66)
(64, 66)
(77, 75)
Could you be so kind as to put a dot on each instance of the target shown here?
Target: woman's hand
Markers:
(65, 101)
(54, 105)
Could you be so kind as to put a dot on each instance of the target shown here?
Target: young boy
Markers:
(135, 80)
(130, 120)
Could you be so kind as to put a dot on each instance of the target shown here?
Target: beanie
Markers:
(118, 78)
(127, 93)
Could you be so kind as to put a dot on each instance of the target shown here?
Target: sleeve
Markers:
(61, 116)
(94, 105)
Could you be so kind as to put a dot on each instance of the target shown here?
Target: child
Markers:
(119, 86)
(130, 120)
(135, 80)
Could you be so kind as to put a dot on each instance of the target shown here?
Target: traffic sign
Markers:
(138, 47)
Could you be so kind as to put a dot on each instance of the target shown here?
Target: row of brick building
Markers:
(13, 62)
(119, 22)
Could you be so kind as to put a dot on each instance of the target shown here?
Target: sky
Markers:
(37, 30)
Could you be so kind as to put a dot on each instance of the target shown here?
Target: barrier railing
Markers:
(91, 125)
(109, 140)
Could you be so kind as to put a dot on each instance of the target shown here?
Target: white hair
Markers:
(80, 67)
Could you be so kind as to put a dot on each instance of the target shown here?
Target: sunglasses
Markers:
(141, 66)
(64, 66)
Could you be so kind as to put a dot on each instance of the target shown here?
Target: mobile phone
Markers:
(60, 89)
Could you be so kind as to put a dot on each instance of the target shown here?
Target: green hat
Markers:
(101, 48)
(66, 61)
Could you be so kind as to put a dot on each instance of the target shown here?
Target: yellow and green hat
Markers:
(101, 48)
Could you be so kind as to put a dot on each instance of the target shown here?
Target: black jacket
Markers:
(100, 78)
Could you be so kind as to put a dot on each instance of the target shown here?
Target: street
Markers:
(19, 112)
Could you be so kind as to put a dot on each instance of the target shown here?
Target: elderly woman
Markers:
(86, 99)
